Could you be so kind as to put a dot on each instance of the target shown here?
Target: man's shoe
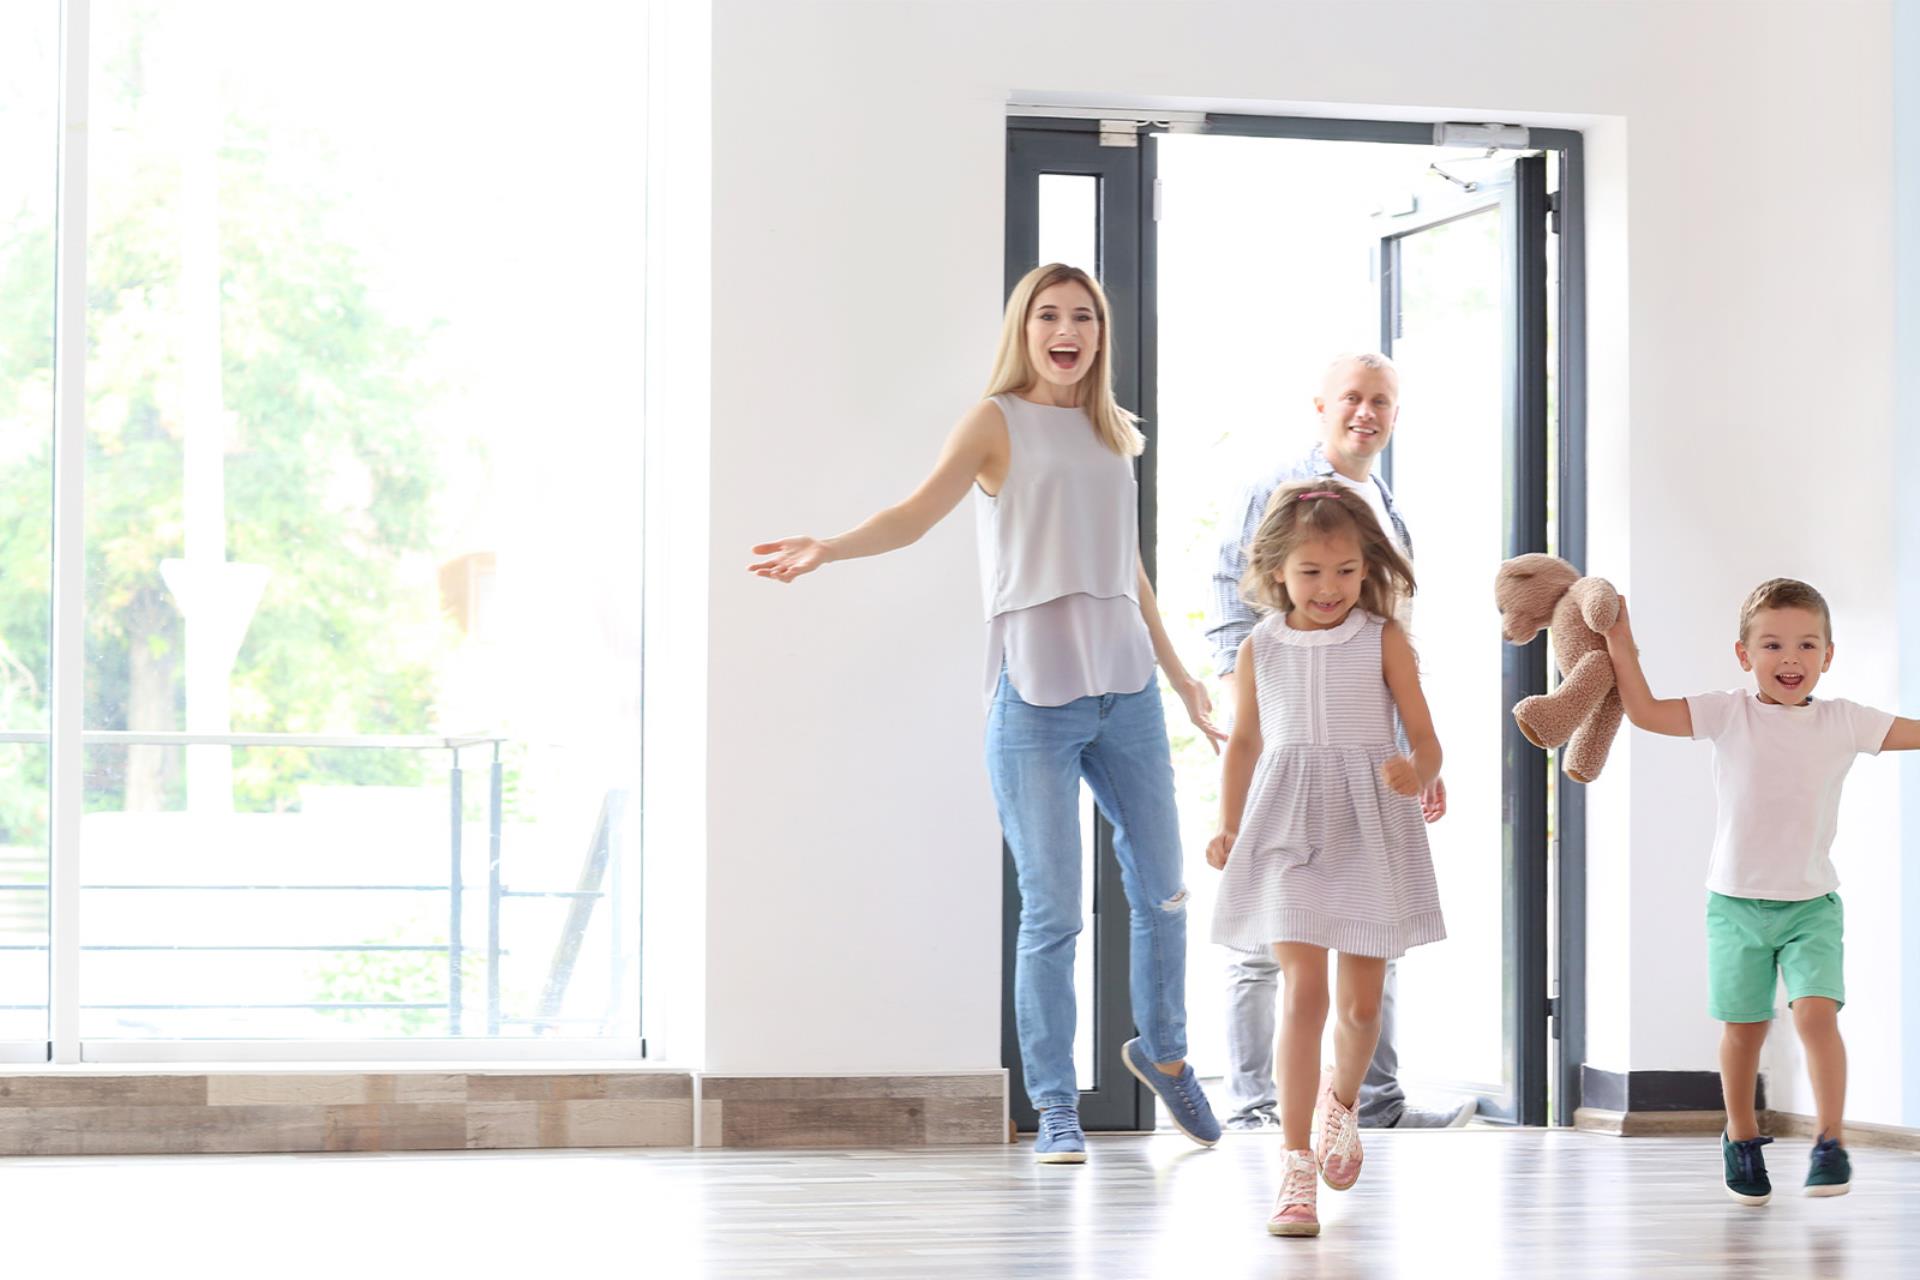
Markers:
(1185, 1101)
(1430, 1118)
(1060, 1140)
(1251, 1121)
(1747, 1179)
(1829, 1172)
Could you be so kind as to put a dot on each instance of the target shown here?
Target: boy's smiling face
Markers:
(1786, 649)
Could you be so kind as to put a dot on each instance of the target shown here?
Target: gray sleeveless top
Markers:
(1059, 546)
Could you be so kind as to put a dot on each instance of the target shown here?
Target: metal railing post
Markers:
(455, 951)
(494, 777)
(617, 908)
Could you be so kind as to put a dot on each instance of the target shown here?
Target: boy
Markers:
(1779, 758)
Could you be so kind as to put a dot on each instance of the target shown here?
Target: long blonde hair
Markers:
(1013, 372)
(1319, 508)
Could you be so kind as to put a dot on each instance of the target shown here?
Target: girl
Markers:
(1321, 834)
(1073, 633)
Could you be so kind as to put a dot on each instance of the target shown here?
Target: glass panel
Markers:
(1070, 220)
(1070, 233)
(1447, 464)
(29, 138)
(1556, 1101)
(364, 460)
(1236, 401)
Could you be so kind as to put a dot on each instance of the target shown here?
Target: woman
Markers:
(1072, 638)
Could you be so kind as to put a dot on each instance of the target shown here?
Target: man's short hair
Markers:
(1365, 359)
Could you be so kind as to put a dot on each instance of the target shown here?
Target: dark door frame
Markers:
(1123, 247)
(1522, 1094)
(1541, 873)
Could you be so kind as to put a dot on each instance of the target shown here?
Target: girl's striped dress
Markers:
(1327, 852)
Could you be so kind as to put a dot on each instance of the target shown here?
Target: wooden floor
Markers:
(1470, 1203)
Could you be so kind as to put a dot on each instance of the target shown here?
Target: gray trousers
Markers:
(1253, 984)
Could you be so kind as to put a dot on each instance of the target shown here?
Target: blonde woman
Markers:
(1073, 634)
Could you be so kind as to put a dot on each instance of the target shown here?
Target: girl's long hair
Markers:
(1323, 507)
(1014, 372)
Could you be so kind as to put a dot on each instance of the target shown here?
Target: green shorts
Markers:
(1748, 939)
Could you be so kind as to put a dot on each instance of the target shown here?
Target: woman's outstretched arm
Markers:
(977, 448)
(1192, 692)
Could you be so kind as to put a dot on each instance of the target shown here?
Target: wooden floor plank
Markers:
(1476, 1202)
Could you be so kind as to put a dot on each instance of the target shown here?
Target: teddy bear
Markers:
(1536, 591)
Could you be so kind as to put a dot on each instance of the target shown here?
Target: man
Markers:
(1358, 405)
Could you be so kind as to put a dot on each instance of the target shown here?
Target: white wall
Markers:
(678, 408)
(1906, 166)
(1740, 216)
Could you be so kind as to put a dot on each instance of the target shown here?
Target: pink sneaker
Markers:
(1338, 1150)
(1294, 1213)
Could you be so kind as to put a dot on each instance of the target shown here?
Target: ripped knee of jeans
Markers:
(1178, 902)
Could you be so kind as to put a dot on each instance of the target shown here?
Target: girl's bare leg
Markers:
(1303, 1017)
(1356, 1029)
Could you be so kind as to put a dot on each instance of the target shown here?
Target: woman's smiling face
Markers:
(1063, 334)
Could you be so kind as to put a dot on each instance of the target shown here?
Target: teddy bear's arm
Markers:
(1599, 603)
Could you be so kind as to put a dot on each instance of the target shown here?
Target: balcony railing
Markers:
(601, 878)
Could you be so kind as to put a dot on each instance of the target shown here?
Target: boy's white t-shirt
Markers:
(1777, 772)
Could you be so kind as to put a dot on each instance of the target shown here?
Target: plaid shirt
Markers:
(1231, 618)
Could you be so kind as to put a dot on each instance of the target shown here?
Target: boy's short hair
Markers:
(1784, 593)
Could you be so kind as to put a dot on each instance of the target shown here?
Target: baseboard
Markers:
(1648, 1124)
(1637, 1092)
(1787, 1124)
(788, 1112)
(229, 1111)
(243, 1110)
(1774, 1124)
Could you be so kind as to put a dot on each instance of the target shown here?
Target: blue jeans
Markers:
(1036, 757)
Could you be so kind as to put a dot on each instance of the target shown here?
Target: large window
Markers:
(29, 134)
(359, 757)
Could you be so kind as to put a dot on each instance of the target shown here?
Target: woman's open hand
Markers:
(1200, 711)
(788, 558)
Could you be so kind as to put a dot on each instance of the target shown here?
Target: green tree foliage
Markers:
(329, 479)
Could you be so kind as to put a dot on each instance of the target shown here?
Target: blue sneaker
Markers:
(1829, 1173)
(1746, 1169)
(1060, 1140)
(1185, 1102)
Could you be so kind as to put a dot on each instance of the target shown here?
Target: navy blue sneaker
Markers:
(1829, 1173)
(1182, 1096)
(1060, 1140)
(1746, 1168)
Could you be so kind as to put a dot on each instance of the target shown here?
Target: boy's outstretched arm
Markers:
(1902, 735)
(1656, 715)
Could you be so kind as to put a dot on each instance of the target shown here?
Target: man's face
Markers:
(1786, 649)
(1357, 407)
